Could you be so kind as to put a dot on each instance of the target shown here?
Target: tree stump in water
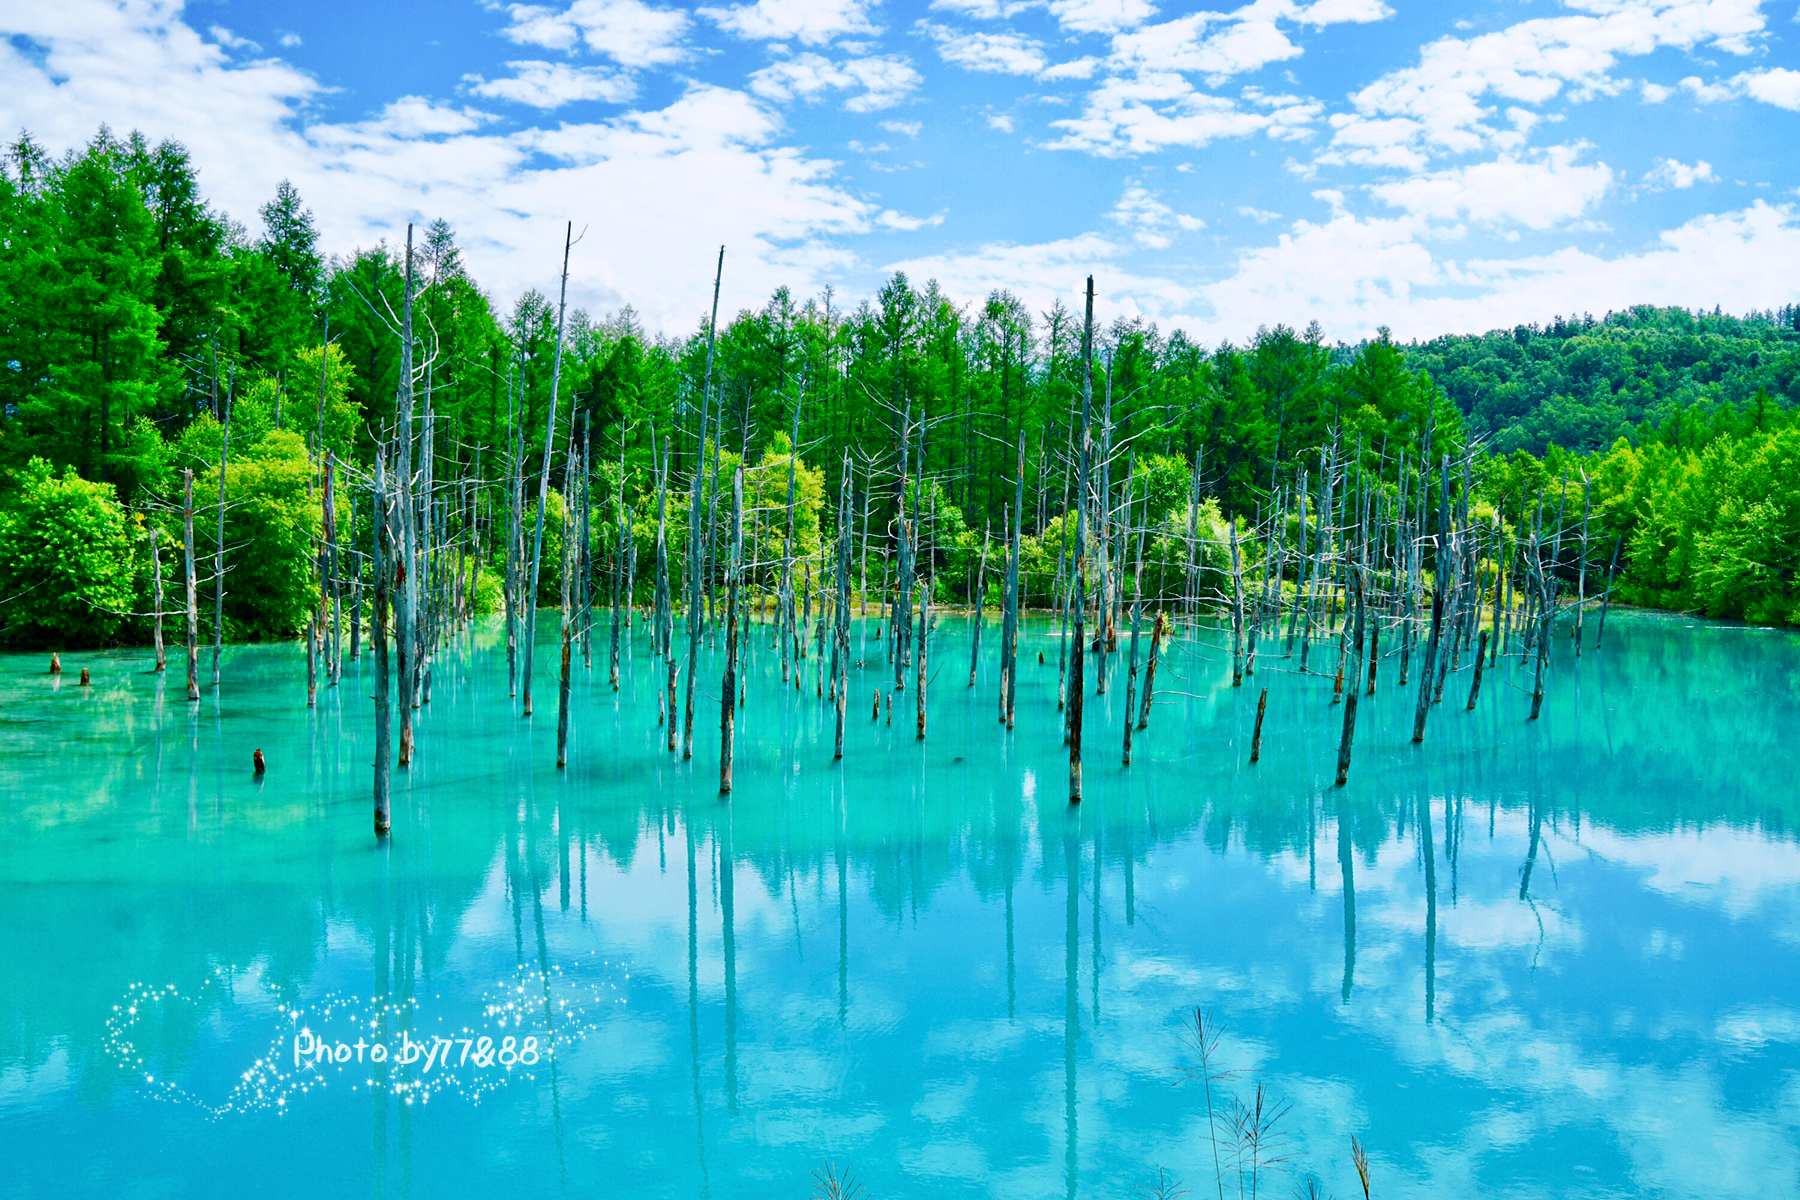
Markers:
(1262, 706)
(84, 677)
(1475, 687)
(55, 663)
(257, 760)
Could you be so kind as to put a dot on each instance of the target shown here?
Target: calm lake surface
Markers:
(1558, 958)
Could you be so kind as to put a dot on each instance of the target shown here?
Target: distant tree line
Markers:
(145, 335)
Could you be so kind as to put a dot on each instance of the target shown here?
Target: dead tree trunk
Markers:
(537, 537)
(1237, 610)
(1349, 735)
(1010, 627)
(1581, 576)
(1156, 637)
(841, 656)
(1480, 662)
(1547, 616)
(162, 657)
(219, 540)
(975, 608)
(694, 540)
(1427, 669)
(1600, 634)
(728, 689)
(571, 557)
(1131, 665)
(193, 591)
(378, 635)
(1079, 600)
(1262, 706)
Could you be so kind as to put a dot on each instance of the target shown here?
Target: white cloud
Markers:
(231, 41)
(1779, 86)
(1146, 102)
(1356, 275)
(1335, 12)
(989, 10)
(1537, 194)
(1154, 110)
(1000, 121)
(1184, 44)
(1000, 53)
(1776, 85)
(884, 81)
(629, 32)
(1736, 871)
(1075, 68)
(1667, 173)
(1442, 102)
(1261, 216)
(1043, 272)
(417, 117)
(1654, 93)
(551, 85)
(1101, 16)
(1149, 219)
(904, 128)
(889, 219)
(812, 22)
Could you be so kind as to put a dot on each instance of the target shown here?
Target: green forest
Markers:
(150, 344)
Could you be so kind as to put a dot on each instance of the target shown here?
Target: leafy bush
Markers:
(65, 559)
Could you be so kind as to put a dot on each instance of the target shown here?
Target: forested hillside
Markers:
(138, 325)
(1581, 383)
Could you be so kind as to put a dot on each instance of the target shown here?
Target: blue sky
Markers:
(1430, 167)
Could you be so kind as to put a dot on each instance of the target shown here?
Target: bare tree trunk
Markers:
(515, 493)
(1237, 610)
(1480, 662)
(1581, 583)
(1547, 615)
(405, 586)
(537, 537)
(219, 541)
(1059, 600)
(570, 556)
(924, 646)
(1428, 668)
(1079, 605)
(162, 657)
(356, 591)
(1600, 634)
(378, 636)
(1137, 612)
(841, 654)
(694, 540)
(1349, 736)
(1010, 634)
(1262, 706)
(975, 607)
(1156, 637)
(728, 690)
(193, 597)
(622, 515)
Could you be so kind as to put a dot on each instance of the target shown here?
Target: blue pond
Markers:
(1551, 958)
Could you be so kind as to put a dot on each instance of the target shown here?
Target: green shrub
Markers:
(65, 560)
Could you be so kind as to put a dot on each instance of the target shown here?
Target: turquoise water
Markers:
(1558, 958)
